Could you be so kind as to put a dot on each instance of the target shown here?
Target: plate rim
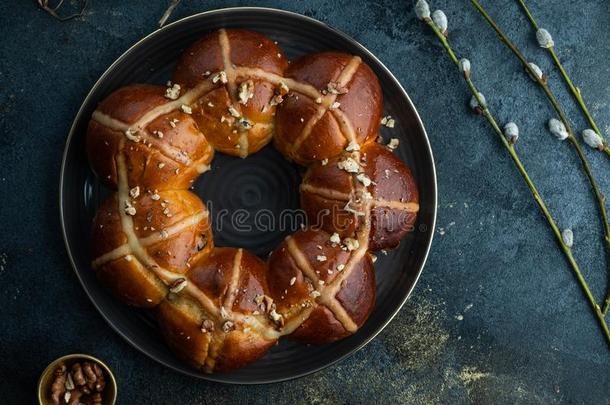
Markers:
(71, 134)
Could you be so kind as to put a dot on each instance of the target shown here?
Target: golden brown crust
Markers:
(326, 190)
(237, 116)
(170, 152)
(232, 279)
(171, 229)
(359, 101)
(303, 272)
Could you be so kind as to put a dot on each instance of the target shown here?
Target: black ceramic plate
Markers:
(262, 181)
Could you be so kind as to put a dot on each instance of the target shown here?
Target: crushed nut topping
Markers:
(233, 111)
(318, 100)
(388, 121)
(134, 192)
(353, 146)
(276, 318)
(155, 197)
(315, 294)
(335, 105)
(223, 313)
(178, 285)
(129, 209)
(173, 92)
(264, 302)
(207, 326)
(228, 326)
(321, 258)
(324, 162)
(349, 165)
(186, 109)
(246, 91)
(334, 88)
(220, 77)
(161, 165)
(293, 280)
(351, 244)
(340, 267)
(364, 179)
(393, 144)
(164, 234)
(159, 134)
(335, 239)
(276, 100)
(128, 258)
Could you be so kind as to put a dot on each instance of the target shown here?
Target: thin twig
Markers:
(567, 251)
(44, 4)
(573, 89)
(172, 5)
(577, 95)
(599, 196)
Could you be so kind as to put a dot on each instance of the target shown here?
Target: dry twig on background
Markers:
(172, 5)
(53, 10)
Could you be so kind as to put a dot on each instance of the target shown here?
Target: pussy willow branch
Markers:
(599, 196)
(575, 90)
(576, 93)
(567, 251)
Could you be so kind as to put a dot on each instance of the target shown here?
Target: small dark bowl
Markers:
(46, 378)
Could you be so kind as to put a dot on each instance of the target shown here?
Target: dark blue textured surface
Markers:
(496, 317)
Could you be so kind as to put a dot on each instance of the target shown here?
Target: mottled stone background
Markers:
(496, 316)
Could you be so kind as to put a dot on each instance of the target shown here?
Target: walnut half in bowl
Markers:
(77, 379)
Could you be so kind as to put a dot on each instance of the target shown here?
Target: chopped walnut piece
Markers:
(173, 92)
(186, 109)
(349, 165)
(388, 121)
(334, 88)
(207, 326)
(228, 326)
(335, 239)
(364, 179)
(352, 146)
(134, 192)
(351, 244)
(220, 77)
(246, 91)
(335, 105)
(233, 111)
(276, 318)
(314, 294)
(129, 208)
(394, 142)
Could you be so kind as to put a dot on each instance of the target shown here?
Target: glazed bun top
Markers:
(162, 148)
(344, 108)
